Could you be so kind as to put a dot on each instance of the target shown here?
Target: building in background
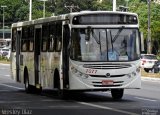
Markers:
(7, 37)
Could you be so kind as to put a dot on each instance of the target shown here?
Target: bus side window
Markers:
(51, 42)
(31, 39)
(24, 46)
(52, 36)
(59, 44)
(58, 40)
(45, 35)
(14, 36)
(24, 40)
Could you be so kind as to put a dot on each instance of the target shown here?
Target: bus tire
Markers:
(28, 88)
(62, 94)
(117, 94)
(39, 91)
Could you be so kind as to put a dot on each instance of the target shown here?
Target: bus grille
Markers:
(106, 66)
(104, 76)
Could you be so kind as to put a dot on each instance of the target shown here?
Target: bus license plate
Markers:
(107, 82)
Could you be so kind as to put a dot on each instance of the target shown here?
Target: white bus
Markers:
(83, 51)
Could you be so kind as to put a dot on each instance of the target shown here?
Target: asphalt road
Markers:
(14, 100)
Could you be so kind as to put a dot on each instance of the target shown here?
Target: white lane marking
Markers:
(106, 92)
(5, 90)
(3, 68)
(63, 106)
(49, 100)
(14, 102)
(145, 99)
(11, 86)
(5, 75)
(107, 108)
(8, 75)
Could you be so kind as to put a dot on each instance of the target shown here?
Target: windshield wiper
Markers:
(98, 41)
(95, 37)
(111, 39)
(118, 33)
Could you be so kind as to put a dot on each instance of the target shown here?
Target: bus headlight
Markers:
(138, 70)
(78, 73)
(129, 76)
(85, 76)
(74, 70)
(133, 73)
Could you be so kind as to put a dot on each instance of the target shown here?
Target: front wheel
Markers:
(117, 94)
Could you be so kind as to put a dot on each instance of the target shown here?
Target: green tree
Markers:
(141, 8)
(18, 10)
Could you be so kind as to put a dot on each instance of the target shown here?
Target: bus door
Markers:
(19, 36)
(37, 41)
(66, 38)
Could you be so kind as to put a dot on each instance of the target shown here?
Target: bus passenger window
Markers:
(25, 39)
(45, 35)
(31, 39)
(58, 44)
(44, 44)
(14, 36)
(58, 39)
(24, 45)
(51, 42)
(31, 45)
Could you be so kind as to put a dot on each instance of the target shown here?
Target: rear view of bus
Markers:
(104, 52)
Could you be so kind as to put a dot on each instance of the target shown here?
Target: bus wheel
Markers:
(117, 94)
(62, 94)
(28, 88)
(39, 90)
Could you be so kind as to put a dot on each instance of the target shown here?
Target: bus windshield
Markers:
(92, 44)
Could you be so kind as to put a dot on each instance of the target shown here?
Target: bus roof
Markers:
(67, 16)
(101, 12)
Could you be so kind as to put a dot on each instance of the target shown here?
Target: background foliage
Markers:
(18, 10)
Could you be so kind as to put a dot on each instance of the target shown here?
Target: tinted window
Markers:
(27, 41)
(31, 39)
(45, 35)
(58, 40)
(24, 40)
(14, 36)
(52, 36)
